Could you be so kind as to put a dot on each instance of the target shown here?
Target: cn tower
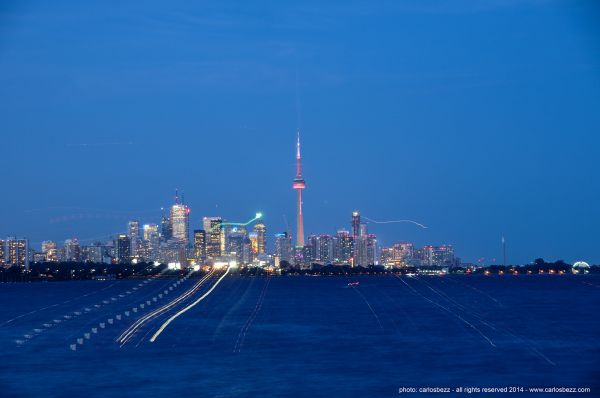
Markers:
(299, 185)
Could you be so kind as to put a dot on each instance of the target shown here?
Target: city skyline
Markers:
(179, 228)
(478, 130)
(227, 242)
(221, 240)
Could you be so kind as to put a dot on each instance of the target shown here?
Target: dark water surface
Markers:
(302, 336)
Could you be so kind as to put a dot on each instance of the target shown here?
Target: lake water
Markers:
(301, 336)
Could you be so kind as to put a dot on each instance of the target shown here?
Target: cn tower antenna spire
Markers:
(298, 157)
(299, 185)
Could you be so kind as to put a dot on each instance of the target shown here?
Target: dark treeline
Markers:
(318, 269)
(537, 267)
(64, 271)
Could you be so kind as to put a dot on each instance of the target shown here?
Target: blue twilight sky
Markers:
(476, 118)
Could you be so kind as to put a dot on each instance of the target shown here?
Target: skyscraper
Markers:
(403, 253)
(372, 249)
(355, 224)
(152, 241)
(361, 254)
(166, 232)
(199, 245)
(133, 231)
(16, 252)
(299, 185)
(2, 252)
(93, 253)
(253, 237)
(283, 246)
(343, 247)
(72, 250)
(213, 228)
(235, 245)
(261, 237)
(180, 220)
(363, 230)
(122, 249)
(49, 250)
(322, 248)
(438, 255)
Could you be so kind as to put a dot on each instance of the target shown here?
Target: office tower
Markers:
(235, 245)
(2, 253)
(123, 249)
(436, 255)
(144, 252)
(151, 241)
(253, 237)
(307, 255)
(227, 231)
(355, 224)
(322, 248)
(387, 256)
(180, 221)
(173, 251)
(372, 249)
(359, 254)
(37, 257)
(49, 250)
(165, 228)
(359, 232)
(261, 237)
(214, 229)
(199, 245)
(72, 250)
(133, 231)
(313, 242)
(283, 246)
(299, 185)
(402, 253)
(343, 247)
(93, 253)
(325, 250)
(247, 255)
(362, 230)
(420, 257)
(439, 255)
(149, 231)
(16, 252)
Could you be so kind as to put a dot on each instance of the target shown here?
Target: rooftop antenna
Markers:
(503, 251)
(176, 196)
(287, 225)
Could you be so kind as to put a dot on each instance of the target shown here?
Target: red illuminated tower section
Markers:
(299, 186)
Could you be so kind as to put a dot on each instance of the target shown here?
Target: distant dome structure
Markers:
(581, 266)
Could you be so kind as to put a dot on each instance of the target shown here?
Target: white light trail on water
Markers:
(171, 319)
(66, 317)
(395, 222)
(242, 298)
(529, 344)
(129, 332)
(242, 335)
(368, 305)
(476, 290)
(56, 305)
(448, 311)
